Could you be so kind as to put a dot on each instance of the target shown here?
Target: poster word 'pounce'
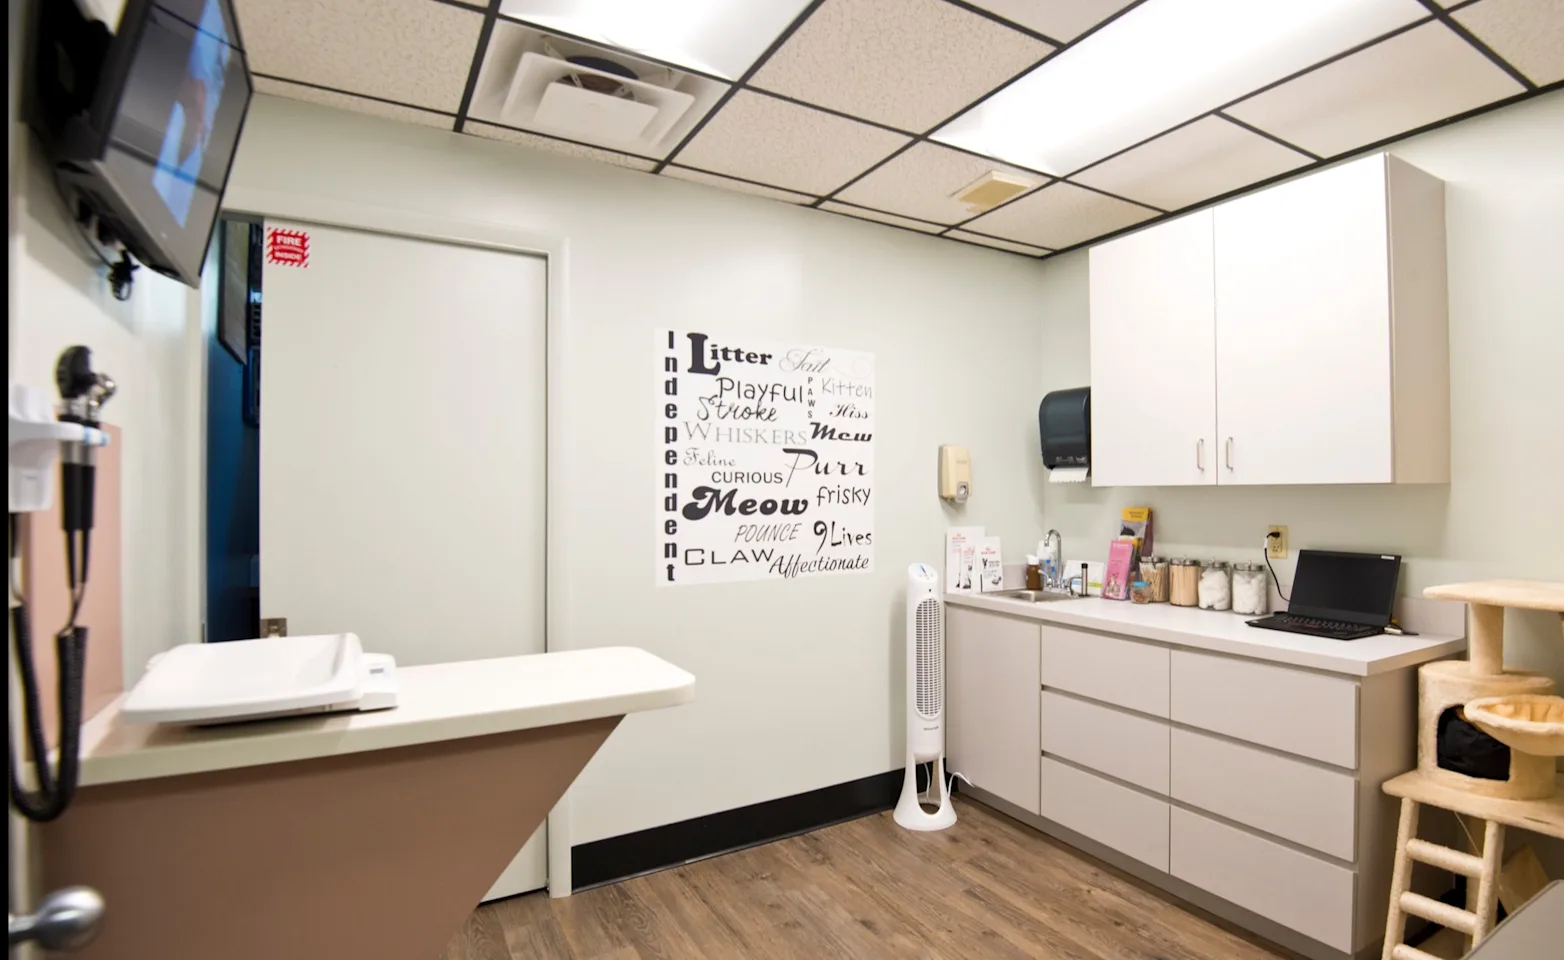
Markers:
(767, 468)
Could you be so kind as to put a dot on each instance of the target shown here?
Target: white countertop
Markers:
(446, 701)
(1225, 632)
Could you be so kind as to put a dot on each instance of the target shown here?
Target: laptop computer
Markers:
(1339, 596)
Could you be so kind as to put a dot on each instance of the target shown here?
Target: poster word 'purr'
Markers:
(767, 466)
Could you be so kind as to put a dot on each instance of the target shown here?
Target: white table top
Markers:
(1225, 632)
(447, 701)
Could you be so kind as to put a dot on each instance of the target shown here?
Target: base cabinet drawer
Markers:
(1298, 891)
(1123, 672)
(1293, 799)
(1293, 710)
(1122, 745)
(1114, 815)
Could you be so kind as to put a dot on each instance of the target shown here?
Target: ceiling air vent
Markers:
(991, 189)
(594, 99)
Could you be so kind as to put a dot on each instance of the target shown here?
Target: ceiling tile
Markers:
(1412, 79)
(879, 217)
(909, 64)
(1528, 34)
(742, 186)
(1191, 164)
(919, 183)
(410, 51)
(343, 101)
(981, 240)
(767, 140)
(1060, 215)
(1060, 19)
(491, 132)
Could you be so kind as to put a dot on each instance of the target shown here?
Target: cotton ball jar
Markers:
(1251, 589)
(1216, 589)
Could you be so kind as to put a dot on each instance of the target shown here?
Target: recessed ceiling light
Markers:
(713, 36)
(1164, 62)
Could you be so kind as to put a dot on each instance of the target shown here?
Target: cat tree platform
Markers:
(1455, 683)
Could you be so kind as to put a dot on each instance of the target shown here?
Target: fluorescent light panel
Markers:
(718, 37)
(1162, 63)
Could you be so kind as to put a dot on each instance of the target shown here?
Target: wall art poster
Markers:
(766, 460)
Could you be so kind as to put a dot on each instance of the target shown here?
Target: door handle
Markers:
(66, 920)
(1200, 454)
(1229, 454)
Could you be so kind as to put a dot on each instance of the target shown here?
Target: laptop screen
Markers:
(1355, 587)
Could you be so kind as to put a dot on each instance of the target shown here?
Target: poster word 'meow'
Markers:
(767, 460)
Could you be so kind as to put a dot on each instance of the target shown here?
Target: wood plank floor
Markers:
(867, 889)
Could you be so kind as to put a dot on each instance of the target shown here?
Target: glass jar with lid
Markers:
(1216, 586)
(1251, 589)
(1154, 570)
(1184, 582)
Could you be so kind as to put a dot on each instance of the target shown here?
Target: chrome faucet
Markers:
(1052, 560)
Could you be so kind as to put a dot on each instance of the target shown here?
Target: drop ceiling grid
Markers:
(919, 181)
(1406, 82)
(1059, 215)
(782, 144)
(1520, 38)
(1195, 162)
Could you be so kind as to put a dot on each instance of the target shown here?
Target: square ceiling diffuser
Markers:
(990, 190)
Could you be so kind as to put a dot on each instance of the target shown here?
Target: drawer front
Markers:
(1124, 672)
(1122, 745)
(1292, 799)
(1113, 815)
(1304, 713)
(1298, 891)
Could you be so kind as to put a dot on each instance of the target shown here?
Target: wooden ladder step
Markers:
(1439, 912)
(1445, 858)
(1404, 952)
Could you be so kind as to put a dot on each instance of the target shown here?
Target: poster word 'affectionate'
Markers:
(767, 466)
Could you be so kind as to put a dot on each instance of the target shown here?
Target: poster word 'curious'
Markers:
(767, 466)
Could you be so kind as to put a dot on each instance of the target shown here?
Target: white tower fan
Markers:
(925, 703)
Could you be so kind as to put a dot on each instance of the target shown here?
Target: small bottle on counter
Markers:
(1251, 589)
(1140, 591)
(1034, 573)
(1184, 577)
(1216, 586)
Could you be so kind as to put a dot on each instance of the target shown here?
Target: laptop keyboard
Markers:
(1312, 623)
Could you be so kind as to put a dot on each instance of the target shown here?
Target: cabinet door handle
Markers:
(1229, 453)
(1200, 454)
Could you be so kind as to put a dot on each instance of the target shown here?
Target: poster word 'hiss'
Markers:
(767, 466)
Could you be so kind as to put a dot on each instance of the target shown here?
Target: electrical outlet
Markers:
(1276, 547)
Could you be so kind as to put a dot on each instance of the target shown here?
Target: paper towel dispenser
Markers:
(1064, 428)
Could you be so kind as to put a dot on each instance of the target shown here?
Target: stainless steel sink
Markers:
(1030, 596)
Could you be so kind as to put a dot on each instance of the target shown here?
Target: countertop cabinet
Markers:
(1248, 787)
(1295, 335)
(991, 672)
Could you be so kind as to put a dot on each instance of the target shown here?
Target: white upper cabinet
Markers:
(1154, 357)
(1305, 342)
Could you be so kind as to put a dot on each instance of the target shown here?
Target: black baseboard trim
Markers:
(620, 858)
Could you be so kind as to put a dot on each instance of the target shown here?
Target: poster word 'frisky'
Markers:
(767, 460)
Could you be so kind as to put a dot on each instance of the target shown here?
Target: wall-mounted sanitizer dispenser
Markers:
(1064, 429)
(955, 473)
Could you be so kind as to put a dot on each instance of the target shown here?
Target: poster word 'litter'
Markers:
(767, 466)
